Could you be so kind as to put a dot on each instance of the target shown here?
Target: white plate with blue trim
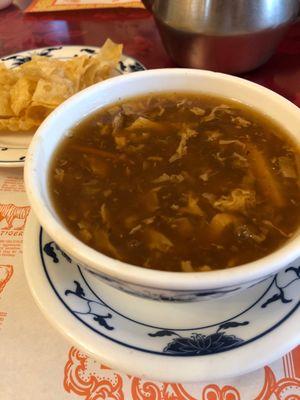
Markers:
(166, 341)
(13, 145)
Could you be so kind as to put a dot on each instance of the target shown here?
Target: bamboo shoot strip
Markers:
(99, 153)
(262, 171)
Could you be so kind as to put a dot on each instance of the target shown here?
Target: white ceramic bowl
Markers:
(170, 286)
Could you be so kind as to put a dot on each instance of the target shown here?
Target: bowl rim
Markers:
(131, 274)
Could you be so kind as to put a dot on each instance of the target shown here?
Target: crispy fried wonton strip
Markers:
(265, 178)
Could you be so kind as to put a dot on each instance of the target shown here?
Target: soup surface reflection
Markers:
(178, 182)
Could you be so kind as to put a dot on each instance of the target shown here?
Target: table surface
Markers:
(136, 30)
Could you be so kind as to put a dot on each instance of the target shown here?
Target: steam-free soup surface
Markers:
(178, 182)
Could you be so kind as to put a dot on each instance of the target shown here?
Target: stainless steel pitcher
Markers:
(231, 36)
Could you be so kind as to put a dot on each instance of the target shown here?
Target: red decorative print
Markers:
(91, 380)
(214, 392)
(6, 272)
(296, 361)
(2, 316)
(86, 377)
(284, 389)
(10, 212)
(147, 390)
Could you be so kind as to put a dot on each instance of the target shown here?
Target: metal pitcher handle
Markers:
(148, 4)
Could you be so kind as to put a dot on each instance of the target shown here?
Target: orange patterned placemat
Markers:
(89, 379)
(60, 5)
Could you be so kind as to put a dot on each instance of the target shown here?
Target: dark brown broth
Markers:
(178, 182)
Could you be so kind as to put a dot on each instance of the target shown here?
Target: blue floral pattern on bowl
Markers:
(79, 294)
(176, 296)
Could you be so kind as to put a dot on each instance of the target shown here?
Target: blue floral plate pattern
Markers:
(163, 341)
(13, 146)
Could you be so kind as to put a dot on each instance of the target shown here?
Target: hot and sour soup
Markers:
(178, 182)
